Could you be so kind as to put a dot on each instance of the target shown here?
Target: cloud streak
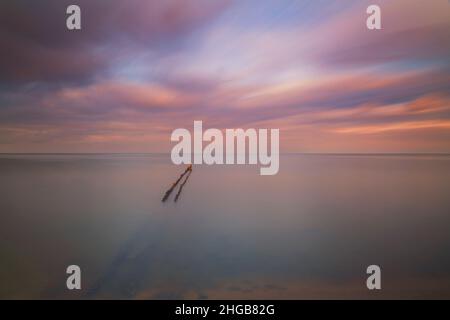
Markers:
(139, 69)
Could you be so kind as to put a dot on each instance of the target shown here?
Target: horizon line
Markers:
(281, 153)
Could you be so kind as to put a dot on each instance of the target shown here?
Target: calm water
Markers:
(308, 232)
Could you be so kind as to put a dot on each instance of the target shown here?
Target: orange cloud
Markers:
(404, 126)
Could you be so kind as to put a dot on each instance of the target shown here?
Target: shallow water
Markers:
(308, 232)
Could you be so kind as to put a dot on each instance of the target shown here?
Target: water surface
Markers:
(308, 232)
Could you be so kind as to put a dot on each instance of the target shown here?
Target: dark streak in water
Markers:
(115, 266)
(182, 185)
(168, 192)
(126, 271)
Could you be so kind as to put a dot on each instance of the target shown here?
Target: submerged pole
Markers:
(169, 191)
(182, 185)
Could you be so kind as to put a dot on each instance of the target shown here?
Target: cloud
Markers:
(35, 45)
(139, 69)
(411, 32)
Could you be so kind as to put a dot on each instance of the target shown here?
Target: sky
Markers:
(140, 69)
